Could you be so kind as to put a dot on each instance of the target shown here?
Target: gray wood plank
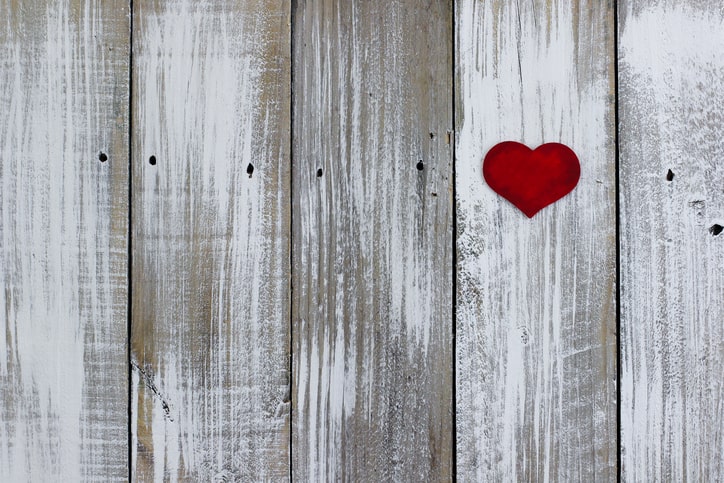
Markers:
(672, 284)
(63, 240)
(372, 241)
(210, 334)
(536, 312)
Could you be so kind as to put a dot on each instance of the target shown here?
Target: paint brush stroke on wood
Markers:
(210, 242)
(536, 316)
(63, 241)
(671, 92)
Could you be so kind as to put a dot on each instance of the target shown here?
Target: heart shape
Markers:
(531, 179)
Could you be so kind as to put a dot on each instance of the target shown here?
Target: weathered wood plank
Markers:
(210, 334)
(536, 318)
(63, 240)
(372, 241)
(672, 312)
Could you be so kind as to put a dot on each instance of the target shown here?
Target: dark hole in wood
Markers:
(319, 173)
(420, 165)
(716, 229)
(152, 160)
(670, 176)
(102, 157)
(250, 169)
(432, 135)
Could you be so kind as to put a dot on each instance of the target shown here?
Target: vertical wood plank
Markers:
(372, 244)
(672, 199)
(63, 240)
(536, 317)
(210, 302)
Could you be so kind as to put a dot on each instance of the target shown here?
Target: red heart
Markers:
(531, 179)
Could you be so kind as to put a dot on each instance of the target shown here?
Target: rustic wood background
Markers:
(251, 241)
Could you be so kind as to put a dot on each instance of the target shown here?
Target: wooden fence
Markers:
(250, 240)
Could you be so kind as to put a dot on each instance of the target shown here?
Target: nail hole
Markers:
(432, 135)
(102, 157)
(420, 165)
(152, 160)
(250, 169)
(524, 335)
(670, 176)
(716, 229)
(319, 173)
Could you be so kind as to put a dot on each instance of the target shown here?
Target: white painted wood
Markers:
(63, 240)
(536, 312)
(672, 296)
(372, 243)
(210, 334)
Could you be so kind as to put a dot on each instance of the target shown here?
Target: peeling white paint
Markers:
(671, 101)
(211, 243)
(63, 406)
(534, 292)
(372, 246)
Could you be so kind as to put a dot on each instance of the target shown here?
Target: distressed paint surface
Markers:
(63, 241)
(210, 333)
(672, 319)
(372, 241)
(536, 314)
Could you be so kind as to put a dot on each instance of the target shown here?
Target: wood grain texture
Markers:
(536, 313)
(672, 317)
(63, 240)
(372, 241)
(210, 334)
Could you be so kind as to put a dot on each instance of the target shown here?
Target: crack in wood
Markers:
(148, 382)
